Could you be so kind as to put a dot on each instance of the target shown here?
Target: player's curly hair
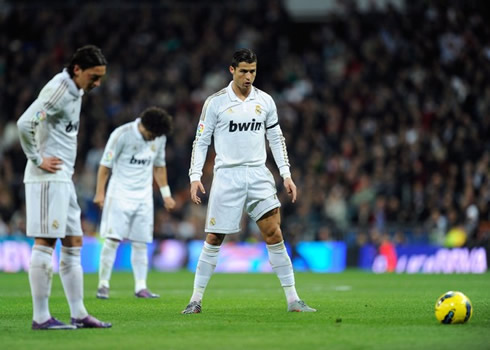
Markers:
(243, 55)
(157, 121)
(87, 56)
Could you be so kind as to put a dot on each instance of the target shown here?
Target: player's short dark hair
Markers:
(87, 56)
(243, 55)
(157, 121)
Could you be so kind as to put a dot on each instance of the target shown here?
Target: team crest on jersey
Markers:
(41, 115)
(229, 111)
(258, 109)
(153, 147)
(200, 129)
(55, 224)
(212, 222)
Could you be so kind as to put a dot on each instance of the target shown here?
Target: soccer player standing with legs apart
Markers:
(240, 117)
(133, 156)
(48, 132)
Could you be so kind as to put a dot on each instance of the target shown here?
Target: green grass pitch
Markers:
(356, 310)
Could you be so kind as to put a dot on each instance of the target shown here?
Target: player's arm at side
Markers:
(112, 149)
(102, 177)
(160, 176)
(204, 133)
(277, 143)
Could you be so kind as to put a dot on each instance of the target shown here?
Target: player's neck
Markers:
(242, 94)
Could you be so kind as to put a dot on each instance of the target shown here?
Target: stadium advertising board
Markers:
(253, 257)
(171, 255)
(422, 259)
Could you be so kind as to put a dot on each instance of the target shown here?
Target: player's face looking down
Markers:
(244, 75)
(89, 78)
(147, 135)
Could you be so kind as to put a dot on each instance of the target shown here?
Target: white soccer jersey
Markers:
(49, 128)
(238, 128)
(132, 159)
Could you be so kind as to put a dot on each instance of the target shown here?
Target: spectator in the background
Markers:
(393, 100)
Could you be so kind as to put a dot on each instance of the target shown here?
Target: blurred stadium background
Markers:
(385, 106)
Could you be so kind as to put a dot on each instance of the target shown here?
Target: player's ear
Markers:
(232, 70)
(76, 70)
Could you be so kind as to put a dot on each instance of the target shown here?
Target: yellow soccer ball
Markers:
(453, 307)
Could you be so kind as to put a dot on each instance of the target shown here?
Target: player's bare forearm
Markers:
(102, 178)
(160, 176)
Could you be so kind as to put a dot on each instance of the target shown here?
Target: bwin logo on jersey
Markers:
(134, 160)
(72, 126)
(252, 126)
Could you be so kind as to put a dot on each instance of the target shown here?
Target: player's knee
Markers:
(272, 235)
(215, 239)
(72, 241)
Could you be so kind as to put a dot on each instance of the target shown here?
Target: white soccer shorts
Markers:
(52, 210)
(126, 219)
(234, 189)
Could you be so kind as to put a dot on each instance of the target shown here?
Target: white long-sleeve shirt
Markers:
(49, 128)
(132, 159)
(238, 128)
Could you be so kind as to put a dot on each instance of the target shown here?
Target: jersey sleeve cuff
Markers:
(285, 172)
(195, 177)
(37, 161)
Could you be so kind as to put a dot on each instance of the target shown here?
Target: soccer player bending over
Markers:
(134, 154)
(240, 117)
(48, 132)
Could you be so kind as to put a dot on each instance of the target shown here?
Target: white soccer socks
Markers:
(107, 258)
(139, 261)
(40, 278)
(281, 265)
(71, 274)
(205, 268)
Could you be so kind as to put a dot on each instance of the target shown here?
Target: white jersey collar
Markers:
(72, 87)
(234, 97)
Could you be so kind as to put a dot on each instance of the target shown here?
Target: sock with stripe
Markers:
(40, 280)
(71, 274)
(281, 265)
(205, 268)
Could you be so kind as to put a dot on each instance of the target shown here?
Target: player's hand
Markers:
(99, 200)
(196, 185)
(51, 164)
(169, 203)
(290, 188)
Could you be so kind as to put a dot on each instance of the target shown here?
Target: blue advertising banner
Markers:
(320, 256)
(171, 255)
(422, 259)
(234, 257)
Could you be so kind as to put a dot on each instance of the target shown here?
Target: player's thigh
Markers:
(116, 218)
(141, 226)
(47, 205)
(73, 222)
(226, 201)
(270, 226)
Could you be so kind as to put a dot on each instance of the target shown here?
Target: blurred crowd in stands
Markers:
(386, 112)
